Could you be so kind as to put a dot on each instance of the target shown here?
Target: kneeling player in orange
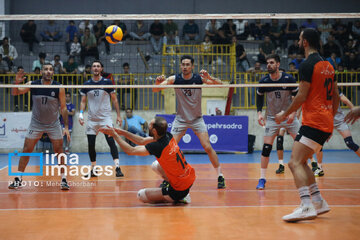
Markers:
(171, 165)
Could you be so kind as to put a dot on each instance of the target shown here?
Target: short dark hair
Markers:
(292, 63)
(72, 21)
(274, 56)
(42, 55)
(187, 57)
(67, 93)
(46, 64)
(97, 61)
(127, 109)
(5, 38)
(160, 125)
(312, 37)
(126, 65)
(19, 67)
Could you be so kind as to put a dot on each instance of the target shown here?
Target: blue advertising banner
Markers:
(226, 133)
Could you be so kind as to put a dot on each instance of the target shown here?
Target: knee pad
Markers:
(350, 144)
(280, 143)
(141, 195)
(266, 150)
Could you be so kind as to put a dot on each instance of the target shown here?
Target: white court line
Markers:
(3, 167)
(192, 191)
(164, 206)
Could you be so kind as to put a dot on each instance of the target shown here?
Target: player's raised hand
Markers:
(204, 74)
(160, 79)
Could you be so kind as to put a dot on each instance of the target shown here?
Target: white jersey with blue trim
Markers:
(99, 104)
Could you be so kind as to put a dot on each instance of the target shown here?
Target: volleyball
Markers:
(113, 34)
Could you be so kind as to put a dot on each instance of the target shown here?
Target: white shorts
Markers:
(178, 128)
(36, 130)
(272, 128)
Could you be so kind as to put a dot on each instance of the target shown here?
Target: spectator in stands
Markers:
(290, 32)
(40, 62)
(75, 48)
(298, 60)
(87, 72)
(191, 31)
(275, 33)
(51, 32)
(334, 60)
(355, 30)
(258, 30)
(212, 30)
(8, 52)
(266, 48)
(331, 47)
(70, 67)
(325, 29)
(83, 25)
(123, 28)
(293, 50)
(71, 32)
(88, 46)
(71, 112)
(339, 31)
(171, 32)
(127, 79)
(350, 47)
(242, 63)
(135, 124)
(256, 69)
(57, 64)
(36, 71)
(3, 66)
(292, 68)
(157, 34)
(206, 51)
(242, 29)
(229, 29)
(309, 24)
(99, 31)
(352, 63)
(140, 31)
(27, 33)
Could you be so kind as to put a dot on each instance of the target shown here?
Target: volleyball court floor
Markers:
(107, 207)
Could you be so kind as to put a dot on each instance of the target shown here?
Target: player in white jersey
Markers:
(344, 130)
(277, 99)
(188, 111)
(99, 114)
(44, 119)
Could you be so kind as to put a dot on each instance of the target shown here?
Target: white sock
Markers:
(263, 173)
(315, 193)
(319, 165)
(281, 162)
(63, 176)
(93, 164)
(304, 193)
(312, 159)
(117, 162)
(218, 170)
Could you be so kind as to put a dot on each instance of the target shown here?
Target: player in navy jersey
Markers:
(71, 112)
(277, 99)
(188, 111)
(99, 114)
(44, 119)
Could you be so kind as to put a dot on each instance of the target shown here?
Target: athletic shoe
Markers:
(164, 184)
(92, 174)
(261, 184)
(64, 185)
(321, 207)
(186, 200)
(301, 213)
(15, 184)
(281, 169)
(221, 182)
(319, 172)
(314, 166)
(118, 172)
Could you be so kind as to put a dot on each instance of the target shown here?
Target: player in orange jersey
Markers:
(319, 97)
(171, 165)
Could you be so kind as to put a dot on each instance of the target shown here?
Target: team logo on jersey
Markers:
(53, 94)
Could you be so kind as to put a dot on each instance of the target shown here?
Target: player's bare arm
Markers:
(208, 79)
(133, 137)
(299, 99)
(117, 109)
(335, 98)
(162, 80)
(346, 101)
(64, 113)
(137, 150)
(82, 108)
(19, 78)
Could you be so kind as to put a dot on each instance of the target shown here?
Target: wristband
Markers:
(81, 115)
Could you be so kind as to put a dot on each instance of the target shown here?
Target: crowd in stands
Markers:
(340, 41)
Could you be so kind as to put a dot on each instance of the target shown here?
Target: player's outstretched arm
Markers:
(137, 150)
(161, 80)
(353, 115)
(117, 108)
(64, 112)
(138, 140)
(208, 79)
(346, 101)
(82, 108)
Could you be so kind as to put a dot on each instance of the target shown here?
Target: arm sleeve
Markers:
(305, 72)
(154, 149)
(259, 102)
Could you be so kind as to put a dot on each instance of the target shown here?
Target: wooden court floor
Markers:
(107, 208)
